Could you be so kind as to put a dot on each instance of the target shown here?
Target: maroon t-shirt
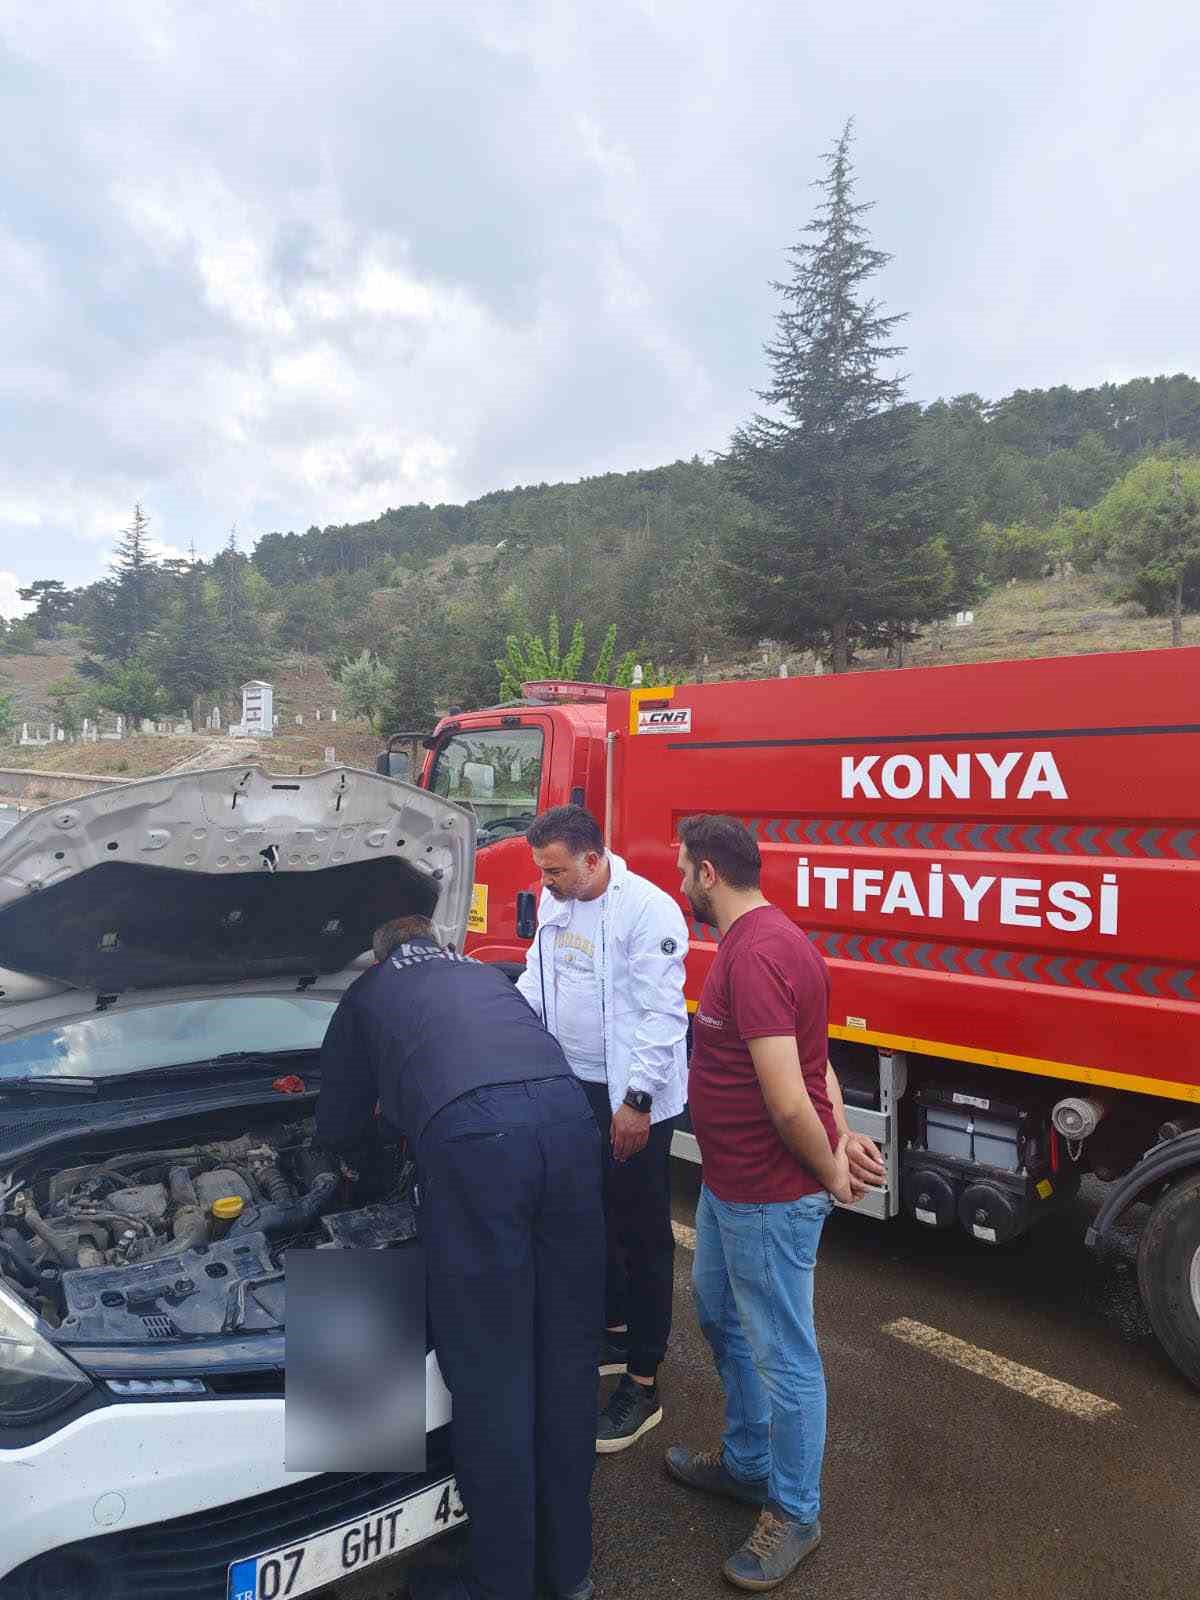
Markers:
(766, 980)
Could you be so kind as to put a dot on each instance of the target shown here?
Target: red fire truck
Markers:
(1001, 866)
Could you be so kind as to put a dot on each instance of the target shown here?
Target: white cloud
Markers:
(11, 604)
(335, 259)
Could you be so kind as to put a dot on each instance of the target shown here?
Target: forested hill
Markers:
(1022, 459)
(414, 610)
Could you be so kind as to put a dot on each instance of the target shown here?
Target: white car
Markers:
(170, 954)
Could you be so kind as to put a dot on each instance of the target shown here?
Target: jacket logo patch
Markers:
(668, 947)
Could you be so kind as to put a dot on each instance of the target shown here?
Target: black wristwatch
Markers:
(638, 1100)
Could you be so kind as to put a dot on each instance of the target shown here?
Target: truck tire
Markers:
(1169, 1273)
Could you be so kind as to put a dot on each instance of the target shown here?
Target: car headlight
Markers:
(35, 1378)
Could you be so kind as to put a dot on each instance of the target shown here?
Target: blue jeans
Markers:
(753, 1278)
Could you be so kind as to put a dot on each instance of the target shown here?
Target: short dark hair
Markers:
(727, 845)
(399, 931)
(567, 825)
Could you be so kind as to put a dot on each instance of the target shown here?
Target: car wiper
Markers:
(244, 1058)
(58, 1083)
(184, 1069)
(54, 1083)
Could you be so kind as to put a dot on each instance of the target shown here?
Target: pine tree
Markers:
(843, 550)
(187, 652)
(52, 604)
(122, 611)
(241, 640)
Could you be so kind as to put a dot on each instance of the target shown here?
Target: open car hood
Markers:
(223, 882)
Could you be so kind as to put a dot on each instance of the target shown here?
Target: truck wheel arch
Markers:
(1166, 1163)
(1169, 1272)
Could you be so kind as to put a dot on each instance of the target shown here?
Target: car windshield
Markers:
(168, 1035)
(497, 774)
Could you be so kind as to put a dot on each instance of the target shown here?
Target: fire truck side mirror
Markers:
(526, 914)
(394, 764)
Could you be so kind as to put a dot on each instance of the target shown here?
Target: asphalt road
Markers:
(942, 1481)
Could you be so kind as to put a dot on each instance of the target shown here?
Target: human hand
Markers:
(630, 1131)
(838, 1180)
(867, 1170)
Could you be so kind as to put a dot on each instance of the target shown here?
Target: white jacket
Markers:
(643, 942)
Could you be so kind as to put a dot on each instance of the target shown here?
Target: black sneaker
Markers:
(632, 1411)
(614, 1357)
(772, 1552)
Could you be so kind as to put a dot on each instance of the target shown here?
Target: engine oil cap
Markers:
(228, 1208)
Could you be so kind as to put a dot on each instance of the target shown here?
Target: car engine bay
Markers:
(188, 1240)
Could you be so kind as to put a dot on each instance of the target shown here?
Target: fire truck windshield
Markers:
(496, 773)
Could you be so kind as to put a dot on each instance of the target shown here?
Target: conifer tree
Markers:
(843, 551)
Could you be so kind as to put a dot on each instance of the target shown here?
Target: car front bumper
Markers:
(153, 1500)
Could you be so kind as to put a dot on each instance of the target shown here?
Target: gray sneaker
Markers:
(585, 1591)
(705, 1469)
(772, 1552)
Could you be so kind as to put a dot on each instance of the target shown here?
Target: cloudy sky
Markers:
(280, 262)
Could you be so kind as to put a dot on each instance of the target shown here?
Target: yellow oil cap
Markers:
(228, 1208)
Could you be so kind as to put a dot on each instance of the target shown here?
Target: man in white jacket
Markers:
(605, 974)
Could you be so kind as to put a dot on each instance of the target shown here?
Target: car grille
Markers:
(188, 1557)
(243, 1385)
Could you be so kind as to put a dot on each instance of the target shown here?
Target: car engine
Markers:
(150, 1245)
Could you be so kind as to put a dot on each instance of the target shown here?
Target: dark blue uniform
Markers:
(509, 1160)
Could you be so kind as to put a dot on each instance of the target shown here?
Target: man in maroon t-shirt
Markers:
(767, 1112)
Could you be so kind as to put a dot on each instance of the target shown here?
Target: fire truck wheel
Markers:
(1169, 1273)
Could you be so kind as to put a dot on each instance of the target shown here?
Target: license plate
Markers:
(297, 1569)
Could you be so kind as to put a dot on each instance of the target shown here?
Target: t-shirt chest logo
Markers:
(573, 947)
(707, 1020)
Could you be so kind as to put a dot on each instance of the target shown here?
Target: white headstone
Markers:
(214, 719)
(318, 716)
(258, 714)
(299, 720)
(964, 619)
(333, 716)
(275, 720)
(637, 676)
(330, 756)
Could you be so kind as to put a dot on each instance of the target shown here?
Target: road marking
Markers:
(684, 1235)
(1023, 1380)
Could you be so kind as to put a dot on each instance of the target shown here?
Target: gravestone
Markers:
(258, 715)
